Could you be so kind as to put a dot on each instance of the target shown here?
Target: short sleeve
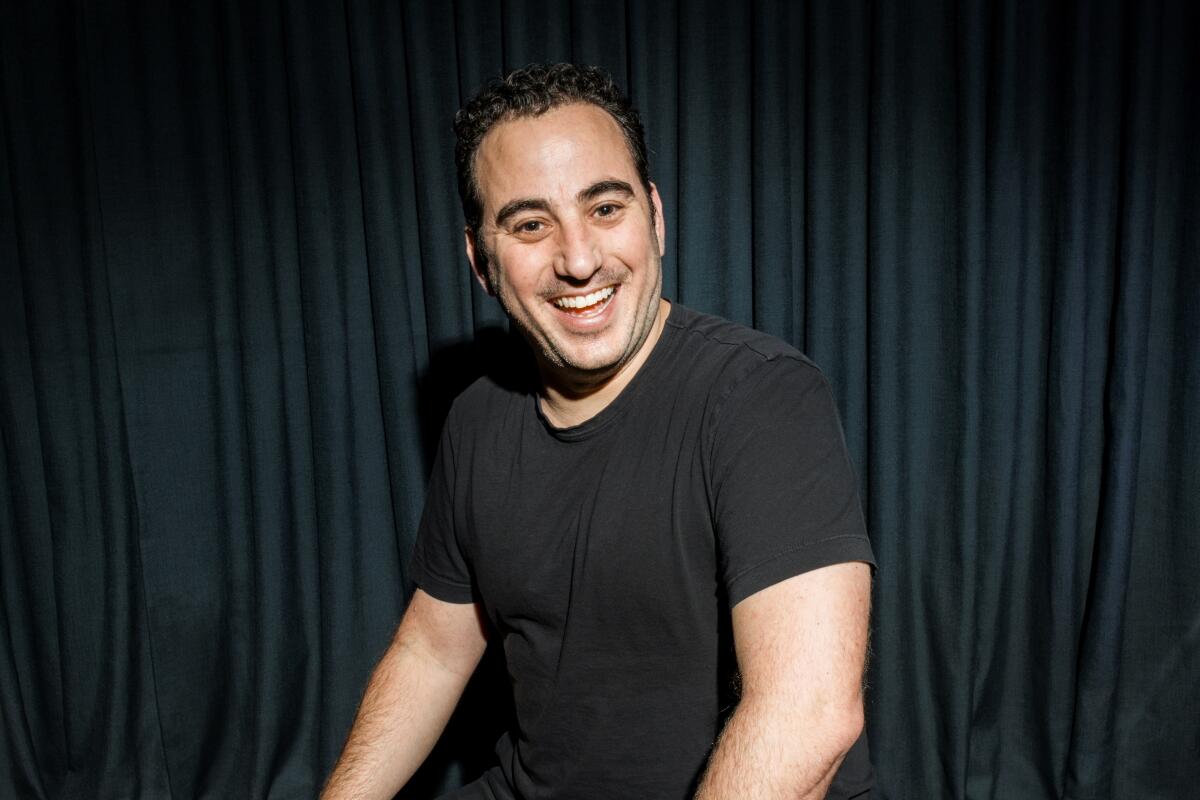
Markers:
(439, 565)
(785, 499)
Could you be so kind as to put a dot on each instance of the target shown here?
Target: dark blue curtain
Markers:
(234, 307)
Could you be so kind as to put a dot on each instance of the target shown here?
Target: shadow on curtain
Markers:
(234, 309)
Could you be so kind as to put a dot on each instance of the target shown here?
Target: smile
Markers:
(590, 303)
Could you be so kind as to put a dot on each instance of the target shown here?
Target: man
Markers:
(658, 477)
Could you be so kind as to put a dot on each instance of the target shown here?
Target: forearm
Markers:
(767, 752)
(405, 708)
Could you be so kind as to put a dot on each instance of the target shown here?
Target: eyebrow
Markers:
(597, 189)
(517, 206)
(604, 187)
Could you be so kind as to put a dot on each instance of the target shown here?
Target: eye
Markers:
(607, 210)
(529, 226)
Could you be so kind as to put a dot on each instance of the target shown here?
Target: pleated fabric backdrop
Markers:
(234, 309)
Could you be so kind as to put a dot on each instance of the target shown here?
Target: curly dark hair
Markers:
(531, 92)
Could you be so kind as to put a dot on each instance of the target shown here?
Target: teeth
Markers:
(586, 300)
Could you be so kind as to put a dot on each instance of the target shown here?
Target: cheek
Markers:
(635, 245)
(518, 278)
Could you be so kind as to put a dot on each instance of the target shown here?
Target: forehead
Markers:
(565, 149)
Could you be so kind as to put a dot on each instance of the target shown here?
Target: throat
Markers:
(566, 407)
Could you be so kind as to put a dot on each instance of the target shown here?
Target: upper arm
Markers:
(452, 634)
(801, 645)
(784, 495)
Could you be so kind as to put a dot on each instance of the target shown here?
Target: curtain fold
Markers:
(234, 309)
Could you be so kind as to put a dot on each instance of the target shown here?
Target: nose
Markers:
(578, 252)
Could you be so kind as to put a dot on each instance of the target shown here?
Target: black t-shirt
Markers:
(608, 555)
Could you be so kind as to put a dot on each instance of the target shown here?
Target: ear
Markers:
(479, 266)
(660, 222)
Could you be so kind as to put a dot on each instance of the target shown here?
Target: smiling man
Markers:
(572, 251)
(658, 520)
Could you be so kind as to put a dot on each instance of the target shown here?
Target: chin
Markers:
(590, 365)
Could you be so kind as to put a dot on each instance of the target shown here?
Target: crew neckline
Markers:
(596, 424)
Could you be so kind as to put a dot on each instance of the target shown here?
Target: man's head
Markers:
(531, 92)
(563, 226)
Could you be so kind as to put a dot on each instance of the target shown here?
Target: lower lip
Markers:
(591, 317)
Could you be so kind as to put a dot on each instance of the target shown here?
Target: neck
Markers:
(566, 404)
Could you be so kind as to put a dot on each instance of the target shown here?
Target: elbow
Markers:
(828, 730)
(845, 725)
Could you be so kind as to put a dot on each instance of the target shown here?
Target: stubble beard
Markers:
(555, 363)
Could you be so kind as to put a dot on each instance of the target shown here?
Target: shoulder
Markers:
(482, 393)
(731, 360)
(489, 404)
(714, 333)
(751, 387)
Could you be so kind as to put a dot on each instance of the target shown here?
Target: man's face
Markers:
(574, 253)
